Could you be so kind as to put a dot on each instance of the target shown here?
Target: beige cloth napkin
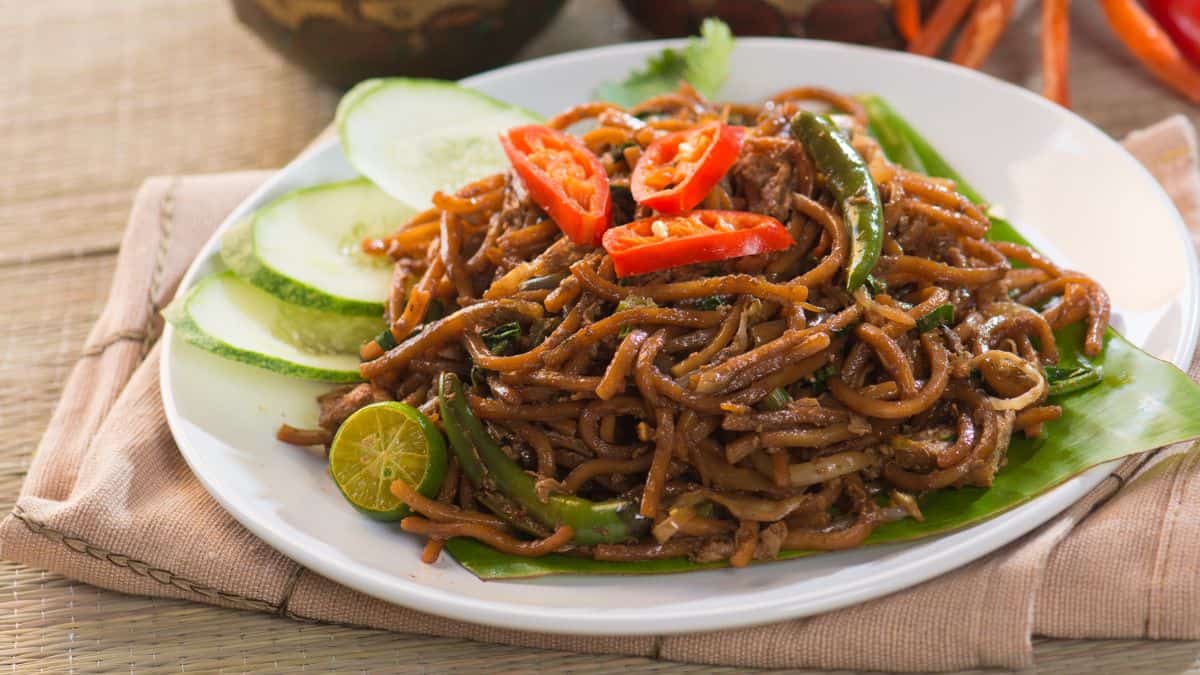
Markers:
(109, 501)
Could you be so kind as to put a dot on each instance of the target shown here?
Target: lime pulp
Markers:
(382, 443)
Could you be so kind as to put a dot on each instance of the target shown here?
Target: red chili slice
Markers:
(1181, 20)
(652, 244)
(564, 178)
(677, 171)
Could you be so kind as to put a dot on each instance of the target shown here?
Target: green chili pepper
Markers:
(1067, 380)
(923, 157)
(940, 316)
(850, 181)
(776, 400)
(485, 464)
(892, 138)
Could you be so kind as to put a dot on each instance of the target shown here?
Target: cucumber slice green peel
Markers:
(234, 319)
(305, 247)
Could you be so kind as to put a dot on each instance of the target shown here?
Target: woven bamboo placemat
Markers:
(96, 95)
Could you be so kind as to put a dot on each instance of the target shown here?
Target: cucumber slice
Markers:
(230, 317)
(413, 137)
(304, 247)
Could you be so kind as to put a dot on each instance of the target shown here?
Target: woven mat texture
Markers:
(96, 95)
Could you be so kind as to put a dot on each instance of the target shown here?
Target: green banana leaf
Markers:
(1142, 403)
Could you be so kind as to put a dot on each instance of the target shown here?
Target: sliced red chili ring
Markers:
(564, 178)
(676, 172)
(659, 243)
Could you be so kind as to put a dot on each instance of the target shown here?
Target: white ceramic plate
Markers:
(1063, 182)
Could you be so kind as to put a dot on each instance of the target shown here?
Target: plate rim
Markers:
(577, 621)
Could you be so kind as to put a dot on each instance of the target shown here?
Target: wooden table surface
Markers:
(95, 96)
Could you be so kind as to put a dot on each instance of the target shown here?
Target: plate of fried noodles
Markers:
(660, 342)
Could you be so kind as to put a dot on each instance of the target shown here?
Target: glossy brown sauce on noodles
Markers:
(655, 387)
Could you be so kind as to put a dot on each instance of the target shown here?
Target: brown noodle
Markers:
(652, 388)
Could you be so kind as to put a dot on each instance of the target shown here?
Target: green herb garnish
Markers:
(778, 399)
(711, 303)
(941, 315)
(500, 338)
(875, 285)
(818, 378)
(703, 63)
(385, 340)
(1067, 380)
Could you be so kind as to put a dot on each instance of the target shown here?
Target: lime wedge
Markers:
(381, 443)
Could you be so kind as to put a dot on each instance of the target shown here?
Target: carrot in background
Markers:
(1056, 38)
(908, 18)
(934, 32)
(983, 31)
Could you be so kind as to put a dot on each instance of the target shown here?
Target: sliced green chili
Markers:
(850, 182)
(486, 465)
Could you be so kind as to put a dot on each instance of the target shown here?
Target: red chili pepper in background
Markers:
(677, 171)
(564, 178)
(659, 243)
(1181, 20)
(1150, 44)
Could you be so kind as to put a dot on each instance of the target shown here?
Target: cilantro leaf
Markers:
(500, 338)
(704, 63)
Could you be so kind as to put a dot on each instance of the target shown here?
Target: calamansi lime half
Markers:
(381, 443)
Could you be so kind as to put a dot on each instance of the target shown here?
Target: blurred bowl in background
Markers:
(345, 41)
(867, 22)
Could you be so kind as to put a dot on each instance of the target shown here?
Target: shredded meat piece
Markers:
(518, 210)
(764, 175)
(982, 475)
(770, 541)
(713, 550)
(919, 455)
(340, 403)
